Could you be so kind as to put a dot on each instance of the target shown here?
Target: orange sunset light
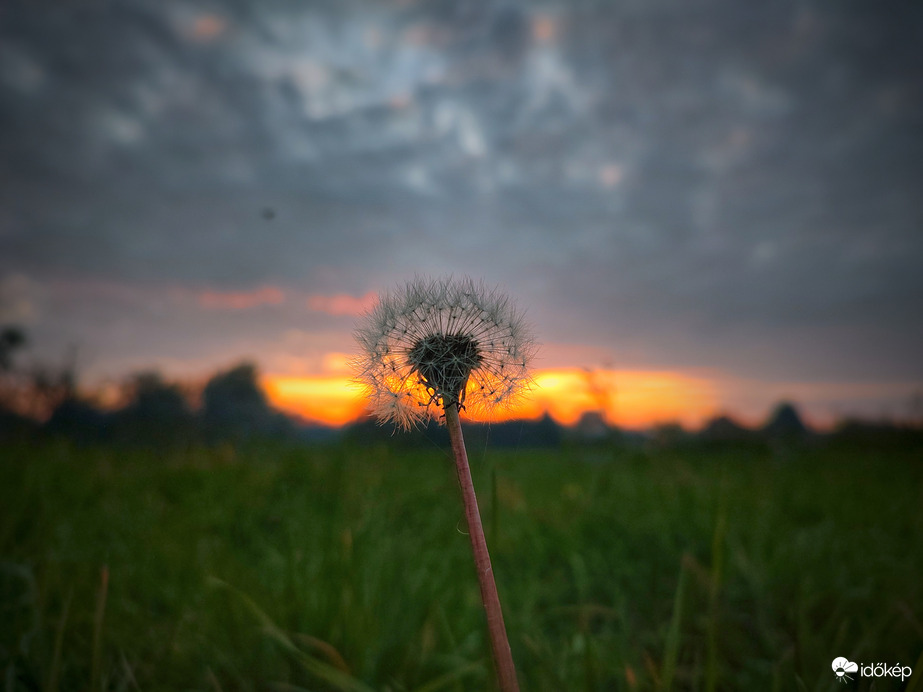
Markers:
(630, 398)
(330, 399)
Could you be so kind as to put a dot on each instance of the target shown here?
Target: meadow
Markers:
(342, 567)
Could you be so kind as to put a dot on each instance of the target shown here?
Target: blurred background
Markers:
(710, 211)
(705, 207)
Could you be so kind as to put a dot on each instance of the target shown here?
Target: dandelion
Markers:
(433, 343)
(430, 349)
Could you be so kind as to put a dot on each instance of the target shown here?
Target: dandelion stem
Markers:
(500, 646)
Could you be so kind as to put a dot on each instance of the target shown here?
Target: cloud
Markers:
(241, 300)
(18, 299)
(341, 304)
(677, 189)
(207, 27)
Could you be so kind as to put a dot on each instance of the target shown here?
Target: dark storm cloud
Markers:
(686, 182)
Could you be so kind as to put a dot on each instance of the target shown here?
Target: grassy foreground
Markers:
(345, 568)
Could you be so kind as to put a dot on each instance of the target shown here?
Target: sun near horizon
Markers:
(627, 398)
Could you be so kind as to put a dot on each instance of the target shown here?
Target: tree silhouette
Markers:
(153, 398)
(12, 339)
(785, 423)
(37, 390)
(233, 404)
(156, 411)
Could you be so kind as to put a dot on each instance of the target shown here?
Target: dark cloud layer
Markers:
(696, 184)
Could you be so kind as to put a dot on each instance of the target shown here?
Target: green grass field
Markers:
(341, 568)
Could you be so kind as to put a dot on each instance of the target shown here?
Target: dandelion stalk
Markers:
(499, 644)
(429, 350)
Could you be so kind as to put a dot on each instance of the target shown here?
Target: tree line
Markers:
(43, 398)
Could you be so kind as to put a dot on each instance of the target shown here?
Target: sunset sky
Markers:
(704, 206)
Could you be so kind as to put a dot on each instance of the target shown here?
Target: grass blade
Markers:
(916, 681)
(51, 685)
(323, 671)
(717, 568)
(98, 618)
(447, 679)
(671, 648)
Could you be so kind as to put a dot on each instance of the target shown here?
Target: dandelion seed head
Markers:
(433, 343)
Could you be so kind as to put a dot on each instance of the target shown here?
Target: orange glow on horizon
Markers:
(329, 399)
(630, 398)
(633, 399)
